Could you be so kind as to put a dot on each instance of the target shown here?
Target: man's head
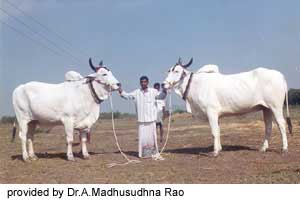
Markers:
(156, 86)
(144, 81)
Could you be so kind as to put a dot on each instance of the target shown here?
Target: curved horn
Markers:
(92, 66)
(101, 63)
(179, 62)
(188, 64)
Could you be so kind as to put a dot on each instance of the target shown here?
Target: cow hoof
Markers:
(26, 160)
(33, 158)
(214, 154)
(71, 158)
(284, 151)
(263, 150)
(86, 157)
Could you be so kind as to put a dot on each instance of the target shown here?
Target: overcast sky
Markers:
(145, 37)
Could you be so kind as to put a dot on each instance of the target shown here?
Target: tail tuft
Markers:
(290, 126)
(288, 117)
(14, 132)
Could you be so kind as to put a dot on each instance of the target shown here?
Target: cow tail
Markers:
(14, 131)
(288, 118)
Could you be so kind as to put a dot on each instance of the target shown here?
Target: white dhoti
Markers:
(147, 139)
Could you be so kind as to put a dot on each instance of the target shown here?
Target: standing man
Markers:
(160, 104)
(145, 102)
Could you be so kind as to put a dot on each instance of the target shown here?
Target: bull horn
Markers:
(101, 63)
(179, 62)
(188, 64)
(92, 66)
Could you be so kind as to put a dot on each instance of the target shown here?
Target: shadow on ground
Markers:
(206, 150)
(61, 155)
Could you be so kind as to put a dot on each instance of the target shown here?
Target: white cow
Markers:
(220, 95)
(76, 105)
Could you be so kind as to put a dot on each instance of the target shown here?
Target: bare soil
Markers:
(187, 158)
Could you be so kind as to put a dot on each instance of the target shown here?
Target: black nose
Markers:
(118, 84)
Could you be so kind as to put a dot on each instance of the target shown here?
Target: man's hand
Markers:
(120, 89)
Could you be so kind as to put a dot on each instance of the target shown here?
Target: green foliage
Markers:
(117, 115)
(8, 119)
(103, 115)
(294, 96)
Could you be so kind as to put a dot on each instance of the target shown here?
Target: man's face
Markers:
(157, 87)
(144, 84)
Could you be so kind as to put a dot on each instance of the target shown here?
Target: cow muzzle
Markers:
(115, 87)
(167, 85)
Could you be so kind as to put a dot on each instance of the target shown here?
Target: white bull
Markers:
(75, 104)
(220, 95)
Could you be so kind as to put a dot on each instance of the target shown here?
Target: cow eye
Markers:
(176, 71)
(104, 74)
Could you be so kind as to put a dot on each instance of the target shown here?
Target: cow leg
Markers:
(84, 150)
(23, 136)
(213, 119)
(31, 128)
(278, 114)
(69, 129)
(268, 129)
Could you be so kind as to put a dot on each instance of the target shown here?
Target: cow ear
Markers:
(91, 76)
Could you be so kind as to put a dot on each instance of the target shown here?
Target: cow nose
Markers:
(118, 84)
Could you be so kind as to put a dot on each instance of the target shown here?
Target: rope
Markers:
(159, 157)
(117, 142)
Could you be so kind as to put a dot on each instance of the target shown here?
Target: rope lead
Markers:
(169, 126)
(116, 139)
(117, 142)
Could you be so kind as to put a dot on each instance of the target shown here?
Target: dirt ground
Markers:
(187, 158)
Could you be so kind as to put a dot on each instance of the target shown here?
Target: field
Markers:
(187, 158)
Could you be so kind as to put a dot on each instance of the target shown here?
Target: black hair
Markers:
(156, 85)
(144, 77)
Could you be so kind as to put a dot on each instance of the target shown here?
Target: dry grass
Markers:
(187, 155)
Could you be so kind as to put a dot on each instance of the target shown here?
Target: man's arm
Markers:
(125, 95)
(161, 95)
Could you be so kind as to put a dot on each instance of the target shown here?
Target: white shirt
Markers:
(145, 103)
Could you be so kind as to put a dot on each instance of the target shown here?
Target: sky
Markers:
(146, 37)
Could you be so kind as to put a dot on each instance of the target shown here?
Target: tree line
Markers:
(294, 97)
(103, 115)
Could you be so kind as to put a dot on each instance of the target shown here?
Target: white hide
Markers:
(209, 68)
(73, 76)
(69, 103)
(219, 95)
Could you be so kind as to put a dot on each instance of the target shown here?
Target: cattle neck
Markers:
(183, 86)
(98, 91)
